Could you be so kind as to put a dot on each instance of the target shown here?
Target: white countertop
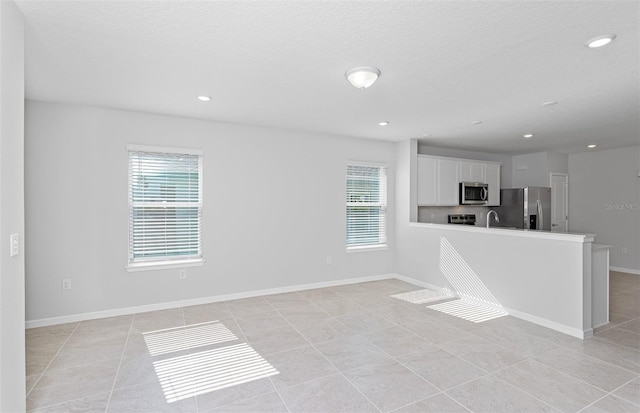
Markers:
(523, 233)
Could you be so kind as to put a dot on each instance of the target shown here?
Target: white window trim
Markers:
(167, 264)
(164, 149)
(367, 248)
(371, 247)
(162, 265)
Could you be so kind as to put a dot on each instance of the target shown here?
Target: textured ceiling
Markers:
(281, 64)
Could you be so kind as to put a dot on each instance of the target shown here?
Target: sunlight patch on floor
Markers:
(206, 371)
(468, 311)
(170, 340)
(423, 296)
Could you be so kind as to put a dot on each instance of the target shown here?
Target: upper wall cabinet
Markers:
(471, 171)
(439, 179)
(427, 180)
(448, 182)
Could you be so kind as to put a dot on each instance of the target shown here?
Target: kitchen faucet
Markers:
(489, 216)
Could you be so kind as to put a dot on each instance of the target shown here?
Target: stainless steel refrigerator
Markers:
(528, 208)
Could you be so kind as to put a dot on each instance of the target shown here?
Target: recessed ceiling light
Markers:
(600, 41)
(383, 123)
(549, 103)
(476, 122)
(204, 98)
(528, 135)
(593, 145)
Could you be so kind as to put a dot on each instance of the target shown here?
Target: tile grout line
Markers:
(559, 372)
(611, 365)
(426, 398)
(487, 373)
(233, 316)
(408, 367)
(189, 348)
(51, 362)
(401, 363)
(280, 396)
(606, 361)
(115, 379)
(270, 379)
(327, 360)
(615, 395)
(351, 298)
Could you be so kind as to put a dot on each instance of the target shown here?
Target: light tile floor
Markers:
(342, 349)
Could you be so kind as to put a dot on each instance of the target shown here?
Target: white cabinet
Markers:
(448, 182)
(427, 180)
(492, 178)
(438, 181)
(472, 171)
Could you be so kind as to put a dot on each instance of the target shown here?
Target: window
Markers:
(366, 205)
(165, 206)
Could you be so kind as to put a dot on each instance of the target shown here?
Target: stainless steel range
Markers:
(462, 219)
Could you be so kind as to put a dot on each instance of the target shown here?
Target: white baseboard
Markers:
(627, 270)
(422, 284)
(518, 314)
(43, 322)
(575, 332)
(257, 293)
(601, 325)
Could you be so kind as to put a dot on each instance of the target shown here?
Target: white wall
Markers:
(273, 209)
(604, 199)
(12, 353)
(530, 170)
(558, 163)
(534, 169)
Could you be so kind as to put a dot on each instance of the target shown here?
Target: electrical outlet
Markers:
(329, 259)
(625, 251)
(183, 274)
(66, 284)
(14, 243)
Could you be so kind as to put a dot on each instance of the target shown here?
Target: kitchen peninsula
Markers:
(557, 280)
(543, 277)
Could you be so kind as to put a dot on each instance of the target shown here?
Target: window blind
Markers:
(165, 206)
(366, 205)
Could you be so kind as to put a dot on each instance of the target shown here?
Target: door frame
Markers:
(566, 196)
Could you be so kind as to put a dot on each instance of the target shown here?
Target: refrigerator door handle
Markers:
(540, 216)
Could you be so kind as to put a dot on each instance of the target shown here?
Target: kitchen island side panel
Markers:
(537, 276)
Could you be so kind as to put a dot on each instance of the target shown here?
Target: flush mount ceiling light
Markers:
(549, 103)
(383, 123)
(528, 135)
(476, 122)
(204, 98)
(600, 41)
(593, 145)
(362, 77)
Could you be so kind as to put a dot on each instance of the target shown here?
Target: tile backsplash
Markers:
(438, 215)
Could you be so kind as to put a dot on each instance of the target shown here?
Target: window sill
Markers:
(163, 265)
(367, 248)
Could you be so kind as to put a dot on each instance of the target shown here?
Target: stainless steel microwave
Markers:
(473, 193)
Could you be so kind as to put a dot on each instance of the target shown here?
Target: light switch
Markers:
(14, 242)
